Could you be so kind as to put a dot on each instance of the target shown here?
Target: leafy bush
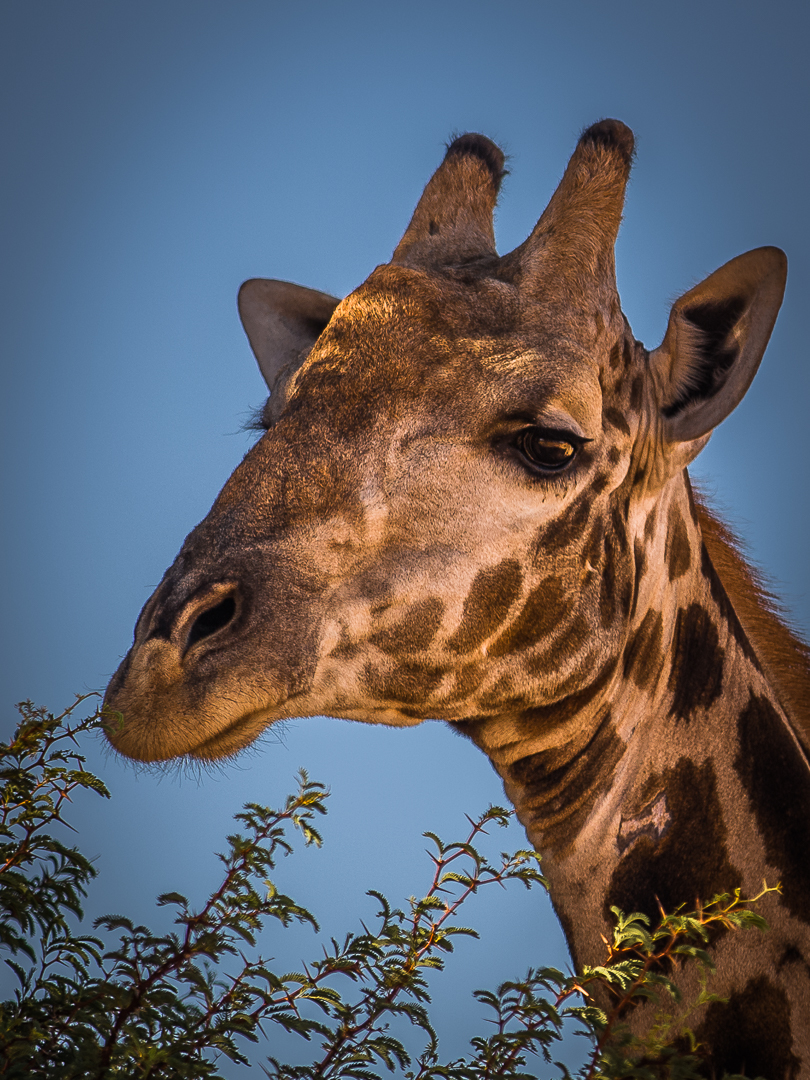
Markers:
(126, 1003)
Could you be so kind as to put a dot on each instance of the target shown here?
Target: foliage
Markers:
(150, 1006)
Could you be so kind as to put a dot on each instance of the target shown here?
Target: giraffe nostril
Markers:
(211, 620)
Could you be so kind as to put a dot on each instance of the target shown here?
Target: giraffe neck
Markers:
(684, 779)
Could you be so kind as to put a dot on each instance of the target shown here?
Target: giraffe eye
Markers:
(547, 451)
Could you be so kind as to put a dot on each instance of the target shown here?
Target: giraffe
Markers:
(470, 502)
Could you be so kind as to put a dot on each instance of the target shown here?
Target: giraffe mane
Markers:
(783, 655)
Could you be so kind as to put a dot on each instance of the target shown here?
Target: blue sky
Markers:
(157, 154)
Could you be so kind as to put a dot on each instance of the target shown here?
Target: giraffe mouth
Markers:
(235, 737)
(152, 716)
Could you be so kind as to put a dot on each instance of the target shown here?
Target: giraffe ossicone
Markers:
(470, 503)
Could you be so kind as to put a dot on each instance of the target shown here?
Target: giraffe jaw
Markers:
(153, 714)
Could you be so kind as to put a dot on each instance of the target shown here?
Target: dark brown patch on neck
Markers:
(775, 775)
(652, 820)
(559, 787)
(689, 861)
(346, 649)
(607, 586)
(649, 524)
(677, 552)
(592, 552)
(727, 612)
(544, 717)
(750, 1034)
(468, 679)
(639, 563)
(773, 644)
(696, 676)
(791, 954)
(643, 657)
(616, 585)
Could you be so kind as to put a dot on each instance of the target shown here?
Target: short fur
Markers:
(471, 503)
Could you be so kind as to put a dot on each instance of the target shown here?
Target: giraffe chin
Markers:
(189, 736)
(229, 742)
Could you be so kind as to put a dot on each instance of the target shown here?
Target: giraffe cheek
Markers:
(545, 609)
(486, 606)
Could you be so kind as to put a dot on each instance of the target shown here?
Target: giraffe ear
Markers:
(282, 321)
(714, 342)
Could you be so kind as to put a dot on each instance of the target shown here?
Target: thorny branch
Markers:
(163, 1006)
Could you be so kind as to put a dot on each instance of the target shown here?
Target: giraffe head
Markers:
(438, 520)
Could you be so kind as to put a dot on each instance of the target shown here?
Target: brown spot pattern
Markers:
(625, 596)
(491, 595)
(415, 632)
(569, 643)
(750, 1034)
(615, 585)
(686, 863)
(643, 656)
(640, 563)
(727, 612)
(653, 821)
(677, 551)
(608, 585)
(542, 717)
(592, 552)
(561, 533)
(600, 483)
(616, 419)
(649, 524)
(792, 955)
(546, 607)
(575, 636)
(696, 676)
(636, 393)
(345, 649)
(408, 683)
(468, 679)
(777, 782)
(560, 792)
